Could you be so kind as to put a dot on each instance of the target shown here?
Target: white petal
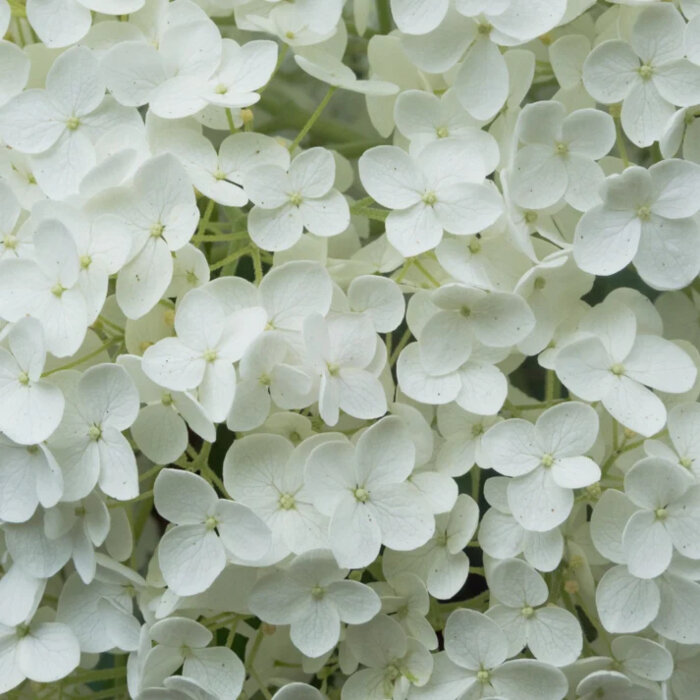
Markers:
(482, 82)
(567, 430)
(539, 177)
(606, 240)
(390, 176)
(610, 71)
(59, 22)
(537, 502)
(635, 406)
(660, 364)
(48, 653)
(190, 558)
(173, 365)
(645, 114)
(473, 641)
(183, 497)
(414, 230)
(626, 603)
(554, 636)
(275, 229)
(354, 534)
(484, 388)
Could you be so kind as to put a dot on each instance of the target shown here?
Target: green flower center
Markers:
(287, 501)
(296, 199)
(95, 432)
(547, 460)
(661, 514)
(527, 611)
(361, 494)
(157, 230)
(72, 123)
(618, 369)
(430, 198)
(645, 71)
(211, 522)
(644, 213)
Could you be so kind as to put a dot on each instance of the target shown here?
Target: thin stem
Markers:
(368, 213)
(261, 685)
(312, 119)
(151, 472)
(257, 263)
(384, 15)
(425, 272)
(476, 482)
(229, 119)
(141, 497)
(84, 358)
(109, 323)
(401, 345)
(230, 258)
(204, 221)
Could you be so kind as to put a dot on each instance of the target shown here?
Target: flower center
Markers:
(430, 198)
(219, 175)
(527, 611)
(645, 71)
(474, 246)
(317, 592)
(618, 369)
(210, 355)
(644, 213)
(10, 241)
(85, 261)
(484, 28)
(465, 311)
(686, 462)
(157, 230)
(166, 399)
(661, 514)
(483, 676)
(265, 379)
(72, 123)
(561, 149)
(442, 132)
(58, 289)
(287, 501)
(361, 494)
(530, 216)
(392, 672)
(23, 378)
(540, 283)
(333, 369)
(95, 432)
(547, 460)
(296, 199)
(221, 89)
(211, 522)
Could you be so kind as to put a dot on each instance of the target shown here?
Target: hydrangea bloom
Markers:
(349, 349)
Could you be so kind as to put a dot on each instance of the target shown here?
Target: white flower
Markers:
(395, 663)
(345, 353)
(58, 124)
(363, 490)
(667, 516)
(552, 634)
(30, 408)
(184, 642)
(194, 552)
(441, 563)
(47, 287)
(160, 430)
(41, 651)
(287, 202)
(159, 214)
(501, 536)
(89, 443)
(312, 596)
(616, 364)
(441, 189)
(231, 85)
(201, 357)
(28, 476)
(474, 662)
(558, 159)
(646, 75)
(645, 218)
(266, 473)
(546, 461)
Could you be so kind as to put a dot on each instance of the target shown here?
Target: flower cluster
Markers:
(349, 350)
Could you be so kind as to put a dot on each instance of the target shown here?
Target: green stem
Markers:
(369, 213)
(84, 358)
(401, 345)
(425, 273)
(620, 140)
(476, 482)
(204, 221)
(141, 497)
(109, 323)
(229, 119)
(384, 15)
(551, 387)
(313, 118)
(230, 258)
(257, 263)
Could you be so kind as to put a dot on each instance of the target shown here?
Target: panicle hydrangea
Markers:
(349, 350)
